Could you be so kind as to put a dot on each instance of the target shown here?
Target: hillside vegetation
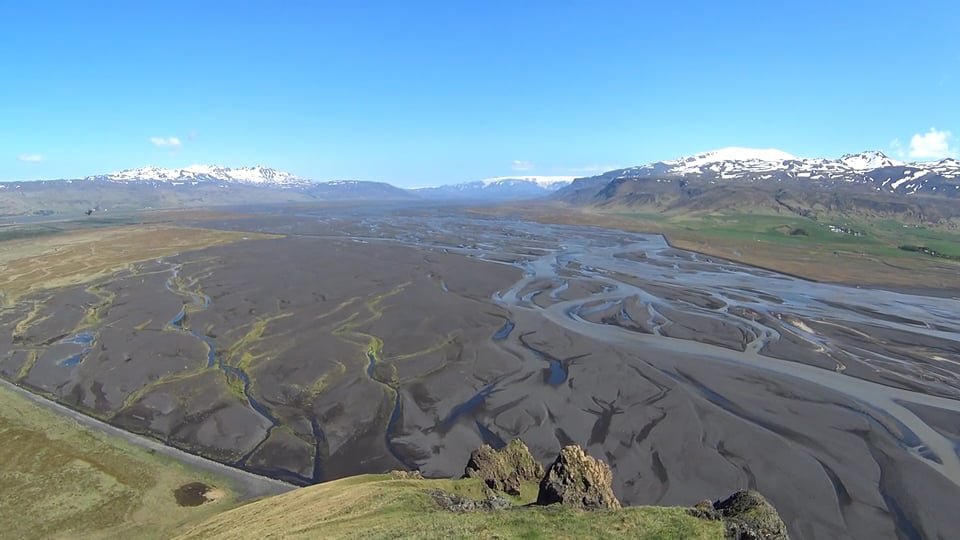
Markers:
(379, 506)
(60, 480)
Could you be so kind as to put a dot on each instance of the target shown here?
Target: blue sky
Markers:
(418, 93)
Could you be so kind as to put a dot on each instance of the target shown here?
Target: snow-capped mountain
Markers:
(205, 173)
(747, 158)
(204, 185)
(868, 184)
(866, 161)
(549, 183)
(720, 180)
(872, 169)
(499, 188)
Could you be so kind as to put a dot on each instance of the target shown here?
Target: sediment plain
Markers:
(313, 344)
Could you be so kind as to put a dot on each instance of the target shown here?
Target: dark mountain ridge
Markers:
(921, 192)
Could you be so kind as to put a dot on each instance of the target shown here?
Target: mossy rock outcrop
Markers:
(746, 515)
(578, 480)
(505, 469)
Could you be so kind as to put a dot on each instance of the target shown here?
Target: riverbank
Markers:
(785, 244)
(245, 485)
(63, 474)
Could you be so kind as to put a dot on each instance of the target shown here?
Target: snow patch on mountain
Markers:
(872, 169)
(205, 173)
(866, 161)
(546, 182)
(500, 188)
(733, 153)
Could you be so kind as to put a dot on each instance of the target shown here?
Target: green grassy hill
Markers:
(378, 506)
(60, 480)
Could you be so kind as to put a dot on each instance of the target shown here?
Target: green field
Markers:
(876, 258)
(880, 237)
(14, 232)
(39, 229)
(60, 480)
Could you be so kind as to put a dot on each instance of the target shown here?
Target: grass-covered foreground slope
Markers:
(60, 480)
(379, 506)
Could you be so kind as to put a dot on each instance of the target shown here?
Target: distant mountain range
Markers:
(721, 179)
(501, 188)
(868, 183)
(197, 185)
(205, 173)
(757, 165)
(211, 185)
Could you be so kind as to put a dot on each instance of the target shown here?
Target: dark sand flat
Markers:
(368, 340)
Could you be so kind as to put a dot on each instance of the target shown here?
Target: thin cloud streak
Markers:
(166, 142)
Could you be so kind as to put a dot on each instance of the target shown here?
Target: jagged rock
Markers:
(748, 516)
(505, 469)
(578, 480)
(406, 475)
(456, 503)
(705, 510)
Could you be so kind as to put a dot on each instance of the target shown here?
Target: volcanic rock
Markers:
(505, 469)
(578, 480)
(747, 516)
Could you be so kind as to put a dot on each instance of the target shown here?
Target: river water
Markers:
(888, 354)
(694, 376)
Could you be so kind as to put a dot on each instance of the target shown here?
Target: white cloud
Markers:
(520, 165)
(166, 142)
(30, 158)
(933, 144)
